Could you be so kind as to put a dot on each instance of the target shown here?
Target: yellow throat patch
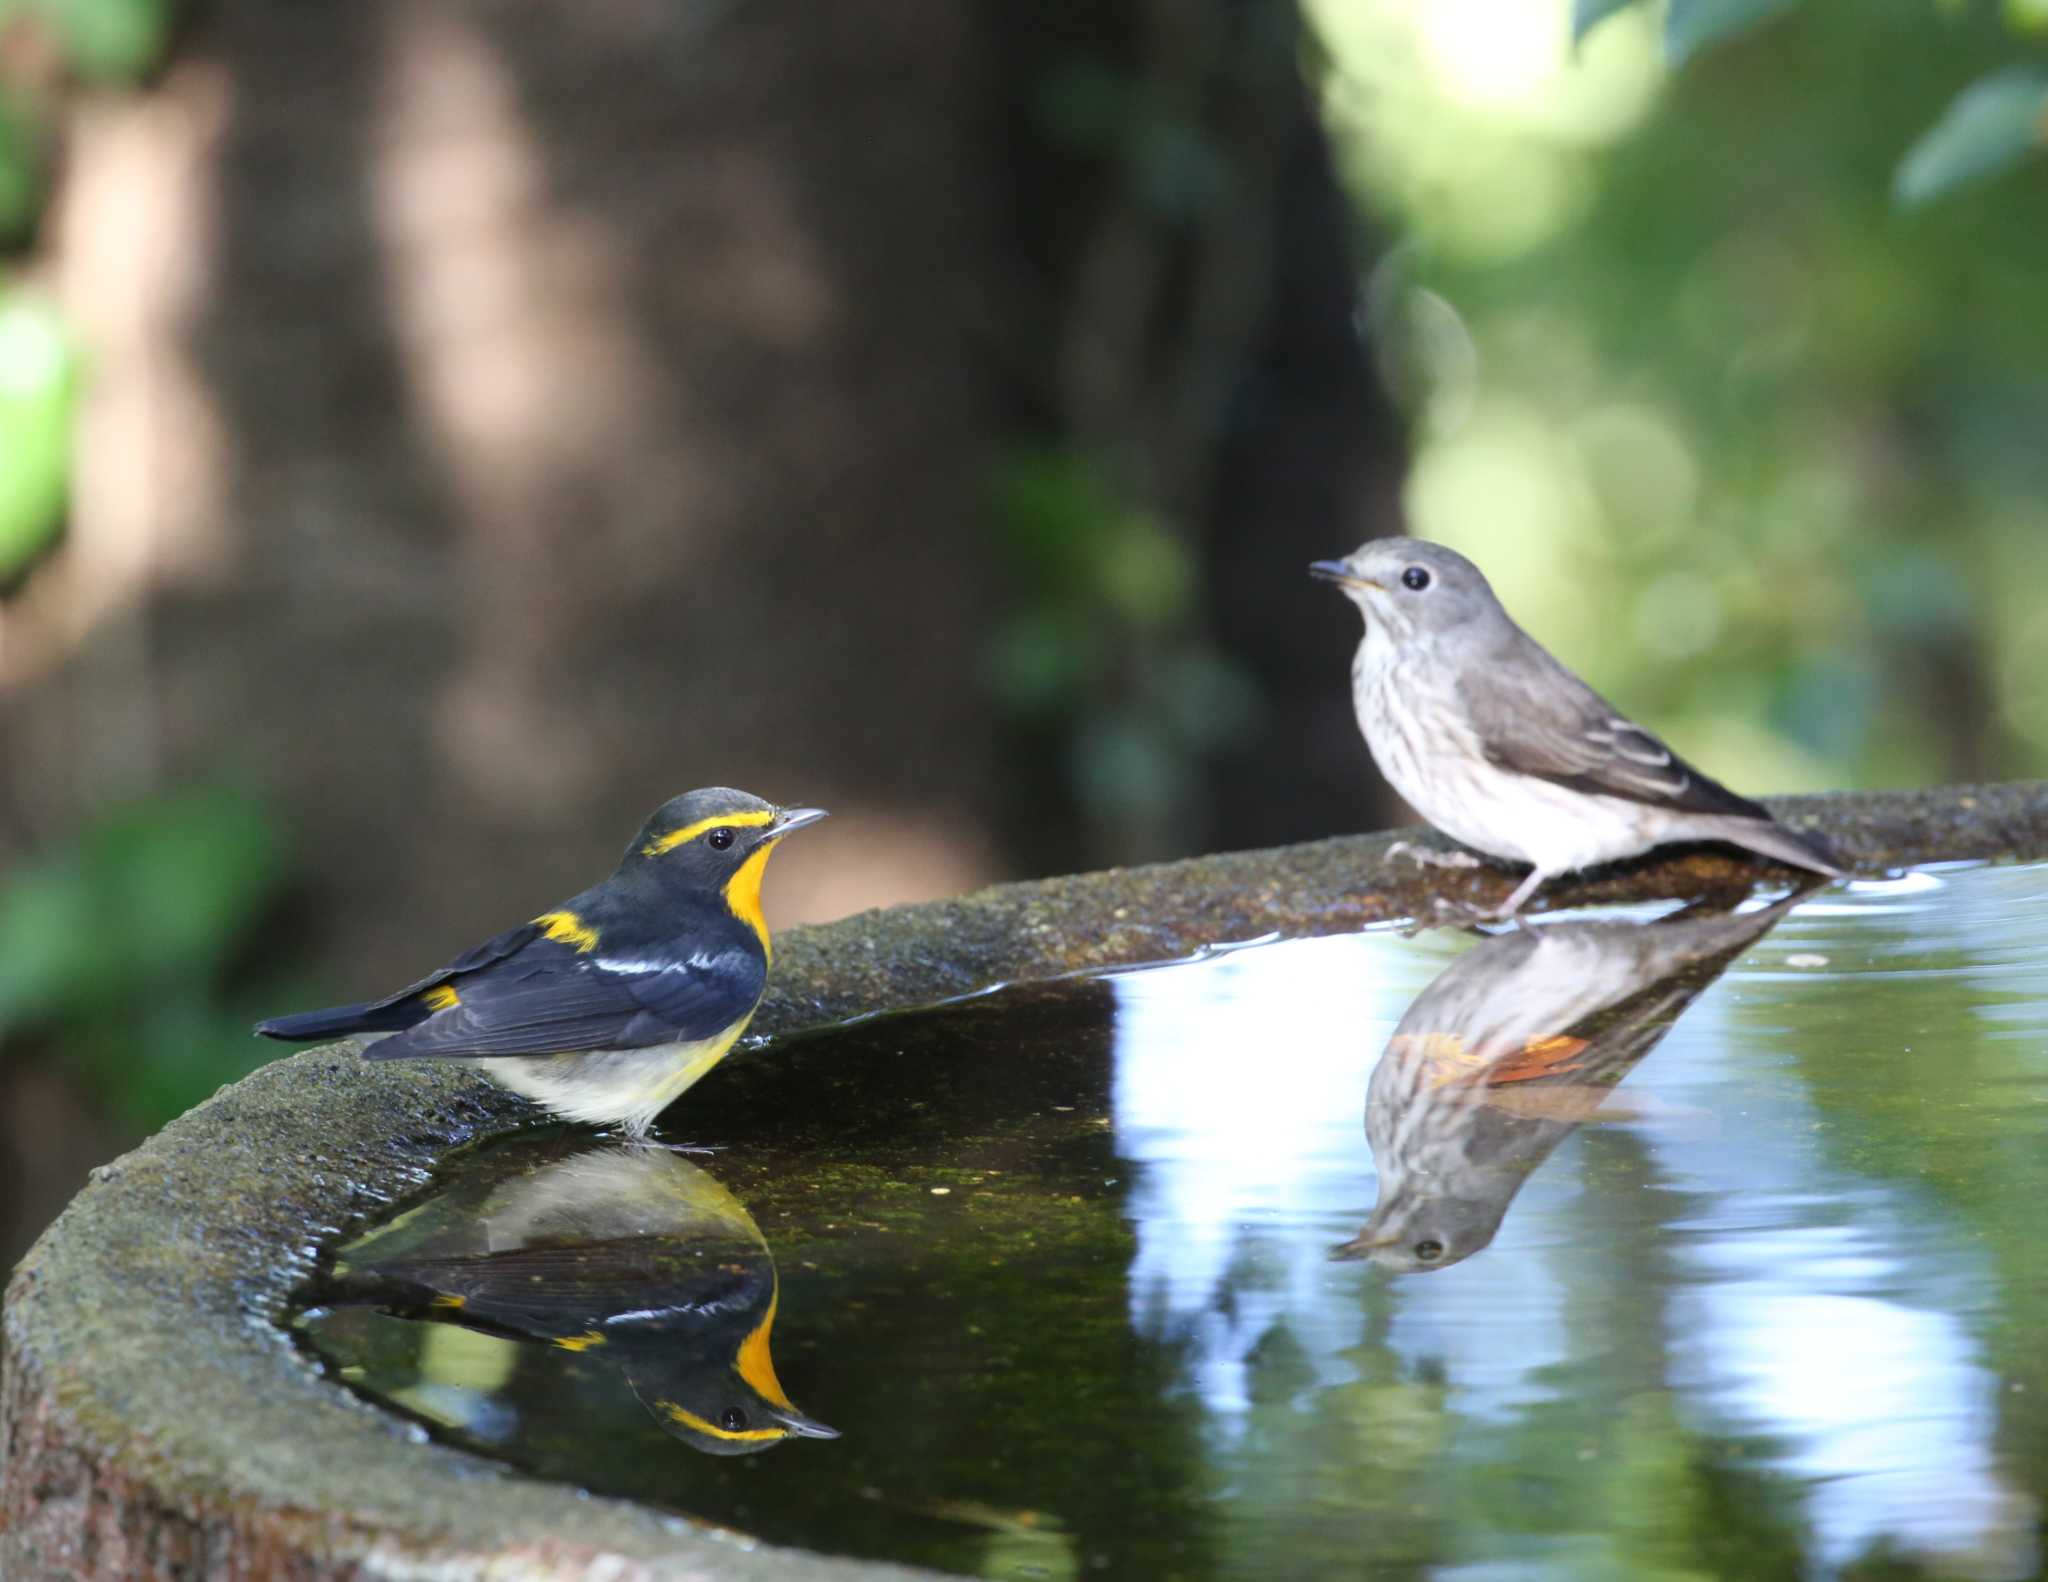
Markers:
(743, 894)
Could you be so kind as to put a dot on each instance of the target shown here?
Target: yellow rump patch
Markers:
(756, 1366)
(689, 832)
(582, 1342)
(689, 1419)
(442, 997)
(567, 928)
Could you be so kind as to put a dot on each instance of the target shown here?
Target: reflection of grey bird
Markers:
(1492, 740)
(623, 1253)
(1502, 1057)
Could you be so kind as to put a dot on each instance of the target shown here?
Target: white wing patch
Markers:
(698, 961)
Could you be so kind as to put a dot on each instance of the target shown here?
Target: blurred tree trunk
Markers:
(508, 414)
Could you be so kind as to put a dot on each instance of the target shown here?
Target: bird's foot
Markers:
(1431, 858)
(633, 1139)
(1446, 913)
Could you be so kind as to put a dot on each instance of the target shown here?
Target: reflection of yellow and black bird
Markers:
(608, 1007)
(626, 1255)
(1507, 1052)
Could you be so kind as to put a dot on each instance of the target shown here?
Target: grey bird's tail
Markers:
(1771, 839)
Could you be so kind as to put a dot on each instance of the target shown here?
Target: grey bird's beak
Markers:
(1337, 571)
(793, 1420)
(1361, 1246)
(793, 818)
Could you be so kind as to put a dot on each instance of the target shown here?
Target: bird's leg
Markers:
(1432, 859)
(1513, 904)
(637, 1137)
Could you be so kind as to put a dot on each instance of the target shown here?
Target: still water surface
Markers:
(1709, 1247)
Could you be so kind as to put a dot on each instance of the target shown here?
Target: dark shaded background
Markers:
(515, 414)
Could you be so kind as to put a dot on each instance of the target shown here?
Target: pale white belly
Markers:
(1441, 772)
(612, 1086)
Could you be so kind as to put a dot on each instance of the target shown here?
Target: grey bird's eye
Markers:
(1429, 1251)
(1415, 579)
(732, 1419)
(719, 838)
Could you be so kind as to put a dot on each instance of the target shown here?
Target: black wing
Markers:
(1535, 717)
(406, 1007)
(549, 1291)
(550, 999)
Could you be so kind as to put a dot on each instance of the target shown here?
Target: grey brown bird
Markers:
(1501, 747)
(1509, 1051)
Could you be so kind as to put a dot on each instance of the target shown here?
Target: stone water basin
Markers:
(1648, 1241)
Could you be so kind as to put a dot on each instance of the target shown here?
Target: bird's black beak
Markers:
(803, 1427)
(793, 818)
(1337, 571)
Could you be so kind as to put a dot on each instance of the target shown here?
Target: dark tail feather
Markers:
(371, 1016)
(1798, 848)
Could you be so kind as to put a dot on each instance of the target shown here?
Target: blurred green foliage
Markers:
(45, 44)
(100, 40)
(38, 385)
(1099, 646)
(1752, 448)
(117, 949)
(1993, 124)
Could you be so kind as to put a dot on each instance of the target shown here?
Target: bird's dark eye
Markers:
(719, 838)
(1415, 579)
(732, 1419)
(1429, 1251)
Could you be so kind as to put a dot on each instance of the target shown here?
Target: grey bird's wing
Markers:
(1535, 717)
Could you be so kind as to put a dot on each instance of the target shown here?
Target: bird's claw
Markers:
(1446, 913)
(641, 1140)
(1430, 858)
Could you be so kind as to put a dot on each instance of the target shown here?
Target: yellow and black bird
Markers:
(608, 1007)
(617, 1256)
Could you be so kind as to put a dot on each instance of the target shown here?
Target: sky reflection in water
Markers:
(1806, 1306)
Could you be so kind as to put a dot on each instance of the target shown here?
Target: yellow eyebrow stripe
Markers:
(689, 832)
(566, 928)
(690, 1419)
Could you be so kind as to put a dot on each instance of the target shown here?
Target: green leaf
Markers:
(111, 40)
(1693, 25)
(38, 380)
(1990, 126)
(152, 898)
(1589, 14)
(21, 167)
